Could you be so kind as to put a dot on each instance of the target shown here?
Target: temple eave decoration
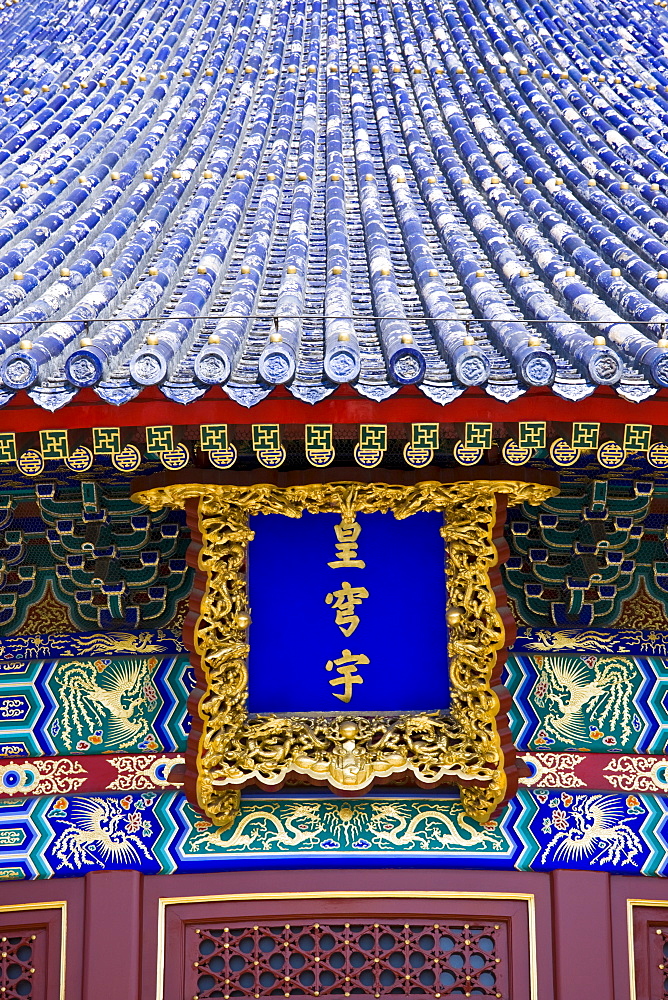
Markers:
(411, 195)
(333, 499)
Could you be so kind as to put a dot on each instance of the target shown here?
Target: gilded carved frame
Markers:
(233, 749)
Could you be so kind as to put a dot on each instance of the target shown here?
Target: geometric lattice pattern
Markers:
(373, 959)
(17, 965)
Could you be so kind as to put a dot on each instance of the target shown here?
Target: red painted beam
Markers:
(345, 406)
(90, 774)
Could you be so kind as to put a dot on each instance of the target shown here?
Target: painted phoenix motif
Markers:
(581, 695)
(113, 698)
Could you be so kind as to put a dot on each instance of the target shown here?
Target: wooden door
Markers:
(40, 927)
(374, 934)
(639, 911)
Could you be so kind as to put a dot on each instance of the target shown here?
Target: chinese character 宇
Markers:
(347, 533)
(346, 665)
(343, 602)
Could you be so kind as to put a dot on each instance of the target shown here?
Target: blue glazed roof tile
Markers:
(441, 193)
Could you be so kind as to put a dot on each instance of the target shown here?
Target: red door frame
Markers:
(633, 896)
(170, 901)
(57, 905)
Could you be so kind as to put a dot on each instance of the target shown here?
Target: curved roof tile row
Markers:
(446, 193)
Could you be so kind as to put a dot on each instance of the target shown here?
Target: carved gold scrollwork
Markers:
(345, 751)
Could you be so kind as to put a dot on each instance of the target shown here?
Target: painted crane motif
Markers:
(94, 695)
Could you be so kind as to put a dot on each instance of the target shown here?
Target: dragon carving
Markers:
(255, 828)
(391, 823)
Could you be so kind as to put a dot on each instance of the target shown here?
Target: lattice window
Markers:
(17, 964)
(372, 959)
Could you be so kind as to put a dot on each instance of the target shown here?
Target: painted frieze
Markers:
(81, 705)
(588, 702)
(51, 646)
(97, 773)
(539, 830)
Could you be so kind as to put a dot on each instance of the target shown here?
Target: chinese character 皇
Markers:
(344, 602)
(346, 665)
(347, 533)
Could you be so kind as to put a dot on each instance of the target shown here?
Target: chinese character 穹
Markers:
(346, 665)
(343, 602)
(347, 533)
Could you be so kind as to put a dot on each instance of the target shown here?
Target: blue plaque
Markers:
(347, 615)
(321, 648)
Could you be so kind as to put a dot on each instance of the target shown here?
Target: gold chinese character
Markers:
(346, 665)
(347, 533)
(344, 605)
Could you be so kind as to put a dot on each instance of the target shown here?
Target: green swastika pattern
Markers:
(8, 446)
(213, 437)
(532, 434)
(54, 444)
(106, 440)
(266, 437)
(373, 437)
(159, 439)
(425, 436)
(637, 437)
(478, 435)
(585, 436)
(319, 437)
